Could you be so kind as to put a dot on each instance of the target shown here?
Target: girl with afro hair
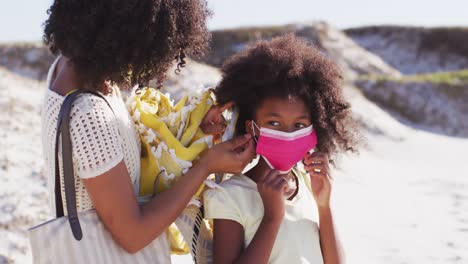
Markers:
(288, 97)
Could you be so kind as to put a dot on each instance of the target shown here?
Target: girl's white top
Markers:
(298, 238)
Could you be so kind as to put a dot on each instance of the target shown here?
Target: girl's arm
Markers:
(332, 251)
(229, 235)
(229, 242)
(317, 165)
(134, 227)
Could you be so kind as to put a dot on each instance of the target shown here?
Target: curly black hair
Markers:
(288, 67)
(127, 41)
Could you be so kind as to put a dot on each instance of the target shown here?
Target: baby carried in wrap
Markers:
(172, 141)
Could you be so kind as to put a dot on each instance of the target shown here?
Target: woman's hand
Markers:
(318, 167)
(230, 156)
(214, 123)
(272, 187)
(134, 227)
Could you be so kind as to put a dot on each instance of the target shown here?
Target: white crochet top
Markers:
(100, 140)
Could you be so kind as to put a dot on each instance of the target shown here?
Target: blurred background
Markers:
(404, 199)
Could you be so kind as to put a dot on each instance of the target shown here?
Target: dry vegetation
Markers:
(440, 39)
(435, 101)
(30, 60)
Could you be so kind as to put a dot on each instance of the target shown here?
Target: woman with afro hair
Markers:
(103, 45)
(288, 97)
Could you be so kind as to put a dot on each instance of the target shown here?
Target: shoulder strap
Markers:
(63, 128)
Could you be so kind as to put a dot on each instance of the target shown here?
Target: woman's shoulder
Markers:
(90, 103)
(86, 106)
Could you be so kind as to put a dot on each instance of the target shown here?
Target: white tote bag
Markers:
(197, 234)
(81, 237)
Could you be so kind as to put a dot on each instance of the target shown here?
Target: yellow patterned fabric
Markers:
(171, 141)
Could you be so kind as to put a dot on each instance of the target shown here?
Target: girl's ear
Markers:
(248, 127)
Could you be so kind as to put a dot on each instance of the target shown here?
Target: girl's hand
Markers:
(318, 167)
(214, 123)
(230, 156)
(272, 187)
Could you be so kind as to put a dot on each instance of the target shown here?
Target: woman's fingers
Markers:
(238, 142)
(233, 155)
(246, 152)
(240, 151)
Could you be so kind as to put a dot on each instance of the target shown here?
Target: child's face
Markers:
(283, 114)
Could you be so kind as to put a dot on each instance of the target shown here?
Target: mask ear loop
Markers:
(253, 131)
(256, 140)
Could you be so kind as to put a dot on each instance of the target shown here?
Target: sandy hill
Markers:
(436, 102)
(403, 200)
(388, 201)
(414, 50)
(377, 60)
(353, 59)
(30, 60)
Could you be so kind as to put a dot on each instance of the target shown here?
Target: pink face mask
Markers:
(282, 150)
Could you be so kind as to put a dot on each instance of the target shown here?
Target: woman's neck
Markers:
(67, 78)
(64, 79)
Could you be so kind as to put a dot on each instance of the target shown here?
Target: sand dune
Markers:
(403, 200)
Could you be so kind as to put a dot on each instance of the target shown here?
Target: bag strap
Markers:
(196, 232)
(63, 128)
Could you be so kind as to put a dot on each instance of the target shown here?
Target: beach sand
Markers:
(402, 200)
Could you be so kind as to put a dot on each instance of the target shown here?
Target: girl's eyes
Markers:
(274, 123)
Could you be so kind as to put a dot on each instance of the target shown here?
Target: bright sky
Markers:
(21, 20)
